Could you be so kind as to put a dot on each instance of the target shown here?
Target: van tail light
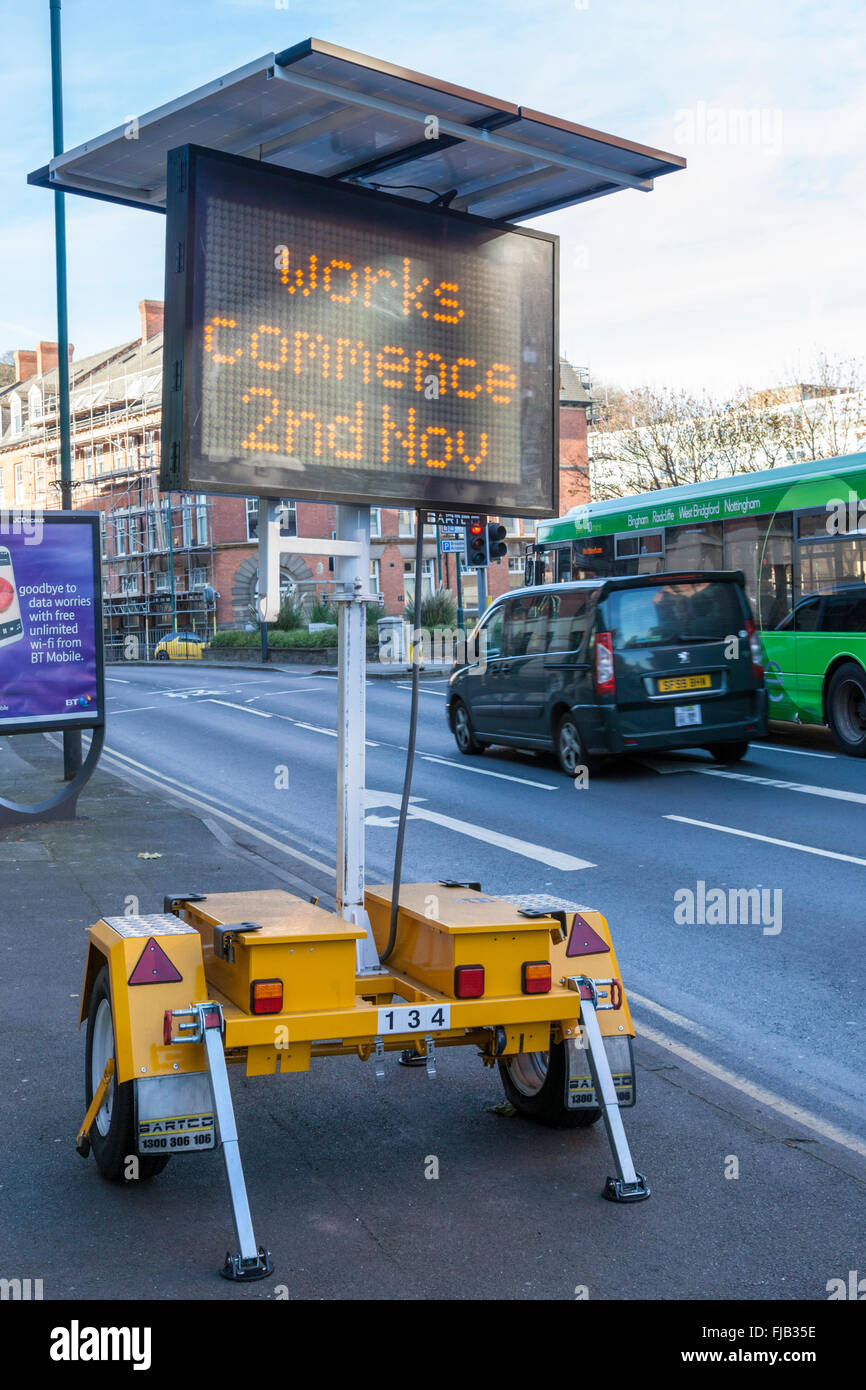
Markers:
(755, 650)
(605, 680)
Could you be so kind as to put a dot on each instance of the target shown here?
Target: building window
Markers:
(428, 580)
(87, 456)
(374, 576)
(19, 482)
(201, 519)
(16, 414)
(40, 480)
(406, 523)
(34, 401)
(186, 521)
(120, 535)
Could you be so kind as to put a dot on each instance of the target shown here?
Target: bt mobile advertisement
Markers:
(50, 621)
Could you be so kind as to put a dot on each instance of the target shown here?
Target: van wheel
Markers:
(463, 730)
(112, 1136)
(534, 1082)
(570, 751)
(846, 709)
(727, 752)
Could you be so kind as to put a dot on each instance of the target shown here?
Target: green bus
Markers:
(798, 533)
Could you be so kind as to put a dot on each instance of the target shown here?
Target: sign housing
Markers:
(330, 342)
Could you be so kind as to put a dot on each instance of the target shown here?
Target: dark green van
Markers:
(609, 666)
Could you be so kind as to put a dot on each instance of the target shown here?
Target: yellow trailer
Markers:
(268, 981)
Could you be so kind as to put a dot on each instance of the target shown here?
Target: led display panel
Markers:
(328, 342)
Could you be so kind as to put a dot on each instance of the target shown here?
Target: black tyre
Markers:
(112, 1137)
(728, 752)
(534, 1082)
(162, 656)
(570, 752)
(464, 733)
(846, 709)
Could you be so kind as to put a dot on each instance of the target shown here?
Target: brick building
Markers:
(162, 554)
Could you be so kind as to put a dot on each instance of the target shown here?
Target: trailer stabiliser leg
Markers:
(82, 1138)
(251, 1261)
(628, 1185)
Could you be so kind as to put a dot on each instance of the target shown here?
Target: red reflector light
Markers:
(536, 977)
(605, 679)
(266, 996)
(468, 981)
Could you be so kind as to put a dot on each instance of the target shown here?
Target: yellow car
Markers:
(180, 646)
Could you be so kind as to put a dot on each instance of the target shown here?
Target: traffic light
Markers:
(496, 546)
(477, 556)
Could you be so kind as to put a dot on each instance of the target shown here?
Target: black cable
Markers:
(413, 726)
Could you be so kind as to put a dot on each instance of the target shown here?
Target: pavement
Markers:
(749, 1201)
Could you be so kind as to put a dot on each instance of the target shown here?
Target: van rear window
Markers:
(670, 613)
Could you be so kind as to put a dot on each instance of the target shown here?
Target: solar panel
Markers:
(324, 110)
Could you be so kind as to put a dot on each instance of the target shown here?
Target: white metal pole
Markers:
(353, 581)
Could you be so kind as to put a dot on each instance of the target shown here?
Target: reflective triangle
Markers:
(583, 941)
(154, 967)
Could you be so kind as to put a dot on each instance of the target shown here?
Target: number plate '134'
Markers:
(415, 1018)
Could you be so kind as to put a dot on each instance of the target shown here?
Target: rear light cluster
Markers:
(468, 981)
(755, 650)
(535, 977)
(605, 680)
(266, 997)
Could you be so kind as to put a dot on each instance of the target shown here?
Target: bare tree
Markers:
(645, 439)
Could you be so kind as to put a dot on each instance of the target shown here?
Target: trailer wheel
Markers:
(534, 1082)
(112, 1136)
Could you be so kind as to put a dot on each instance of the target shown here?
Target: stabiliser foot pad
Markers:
(245, 1271)
(615, 1190)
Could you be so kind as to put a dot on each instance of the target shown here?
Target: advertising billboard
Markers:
(330, 342)
(51, 659)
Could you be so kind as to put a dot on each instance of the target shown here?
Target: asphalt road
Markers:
(776, 1001)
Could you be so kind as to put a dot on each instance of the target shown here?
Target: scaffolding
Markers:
(157, 548)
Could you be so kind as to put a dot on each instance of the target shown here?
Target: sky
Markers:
(736, 271)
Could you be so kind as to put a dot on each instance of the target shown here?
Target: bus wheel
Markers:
(846, 709)
(534, 1082)
(463, 731)
(728, 752)
(112, 1136)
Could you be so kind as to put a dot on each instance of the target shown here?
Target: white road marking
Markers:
(244, 708)
(542, 854)
(800, 752)
(486, 772)
(403, 685)
(757, 1093)
(770, 840)
(679, 1019)
(118, 680)
(833, 792)
(296, 690)
(314, 728)
(136, 709)
(205, 802)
